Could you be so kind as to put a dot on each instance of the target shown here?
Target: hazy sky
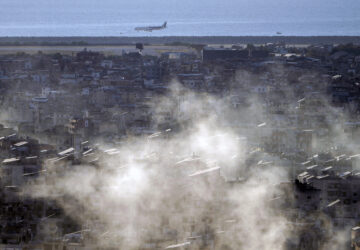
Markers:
(256, 9)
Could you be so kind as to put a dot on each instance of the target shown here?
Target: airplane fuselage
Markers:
(151, 28)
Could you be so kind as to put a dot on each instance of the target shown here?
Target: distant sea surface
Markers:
(185, 18)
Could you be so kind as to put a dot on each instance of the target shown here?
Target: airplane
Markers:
(151, 28)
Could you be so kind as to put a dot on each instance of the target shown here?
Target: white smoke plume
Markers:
(204, 187)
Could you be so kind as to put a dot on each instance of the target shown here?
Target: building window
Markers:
(347, 202)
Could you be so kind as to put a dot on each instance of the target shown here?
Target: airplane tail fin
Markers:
(164, 25)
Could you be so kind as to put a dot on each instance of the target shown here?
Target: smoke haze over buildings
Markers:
(157, 183)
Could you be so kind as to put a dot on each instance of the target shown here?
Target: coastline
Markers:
(171, 40)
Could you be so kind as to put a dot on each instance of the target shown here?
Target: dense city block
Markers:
(180, 146)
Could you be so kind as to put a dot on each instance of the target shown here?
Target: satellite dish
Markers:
(52, 228)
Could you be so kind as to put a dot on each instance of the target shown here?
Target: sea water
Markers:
(184, 17)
